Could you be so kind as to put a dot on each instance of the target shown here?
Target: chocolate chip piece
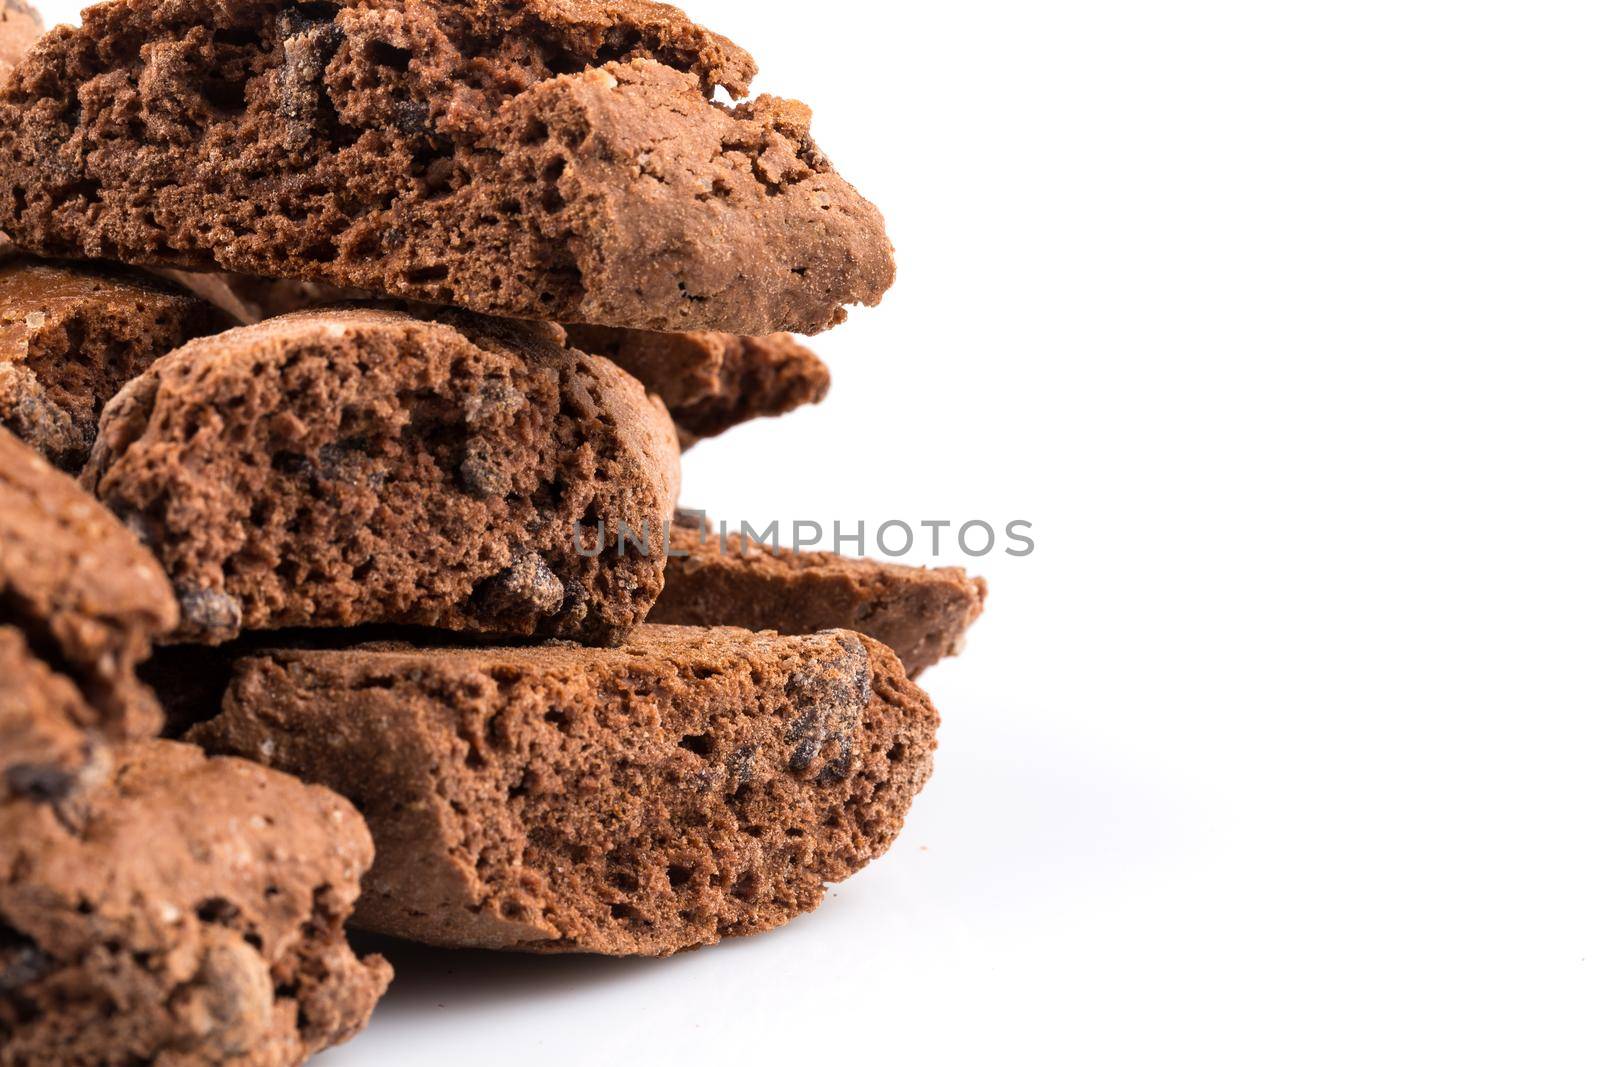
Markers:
(27, 410)
(349, 463)
(833, 699)
(296, 19)
(742, 765)
(528, 587)
(308, 45)
(807, 733)
(805, 753)
(412, 117)
(483, 472)
(492, 400)
(39, 781)
(209, 614)
(22, 962)
(838, 768)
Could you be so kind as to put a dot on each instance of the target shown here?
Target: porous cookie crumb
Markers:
(923, 614)
(80, 604)
(340, 468)
(689, 786)
(712, 382)
(193, 913)
(71, 336)
(552, 159)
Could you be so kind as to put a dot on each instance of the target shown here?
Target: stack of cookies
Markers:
(348, 349)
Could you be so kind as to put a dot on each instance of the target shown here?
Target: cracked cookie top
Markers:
(563, 161)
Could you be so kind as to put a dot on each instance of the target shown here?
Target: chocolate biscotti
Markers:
(71, 336)
(689, 786)
(553, 159)
(80, 604)
(712, 580)
(340, 468)
(193, 913)
(712, 382)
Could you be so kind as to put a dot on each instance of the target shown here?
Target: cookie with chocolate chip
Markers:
(365, 466)
(551, 159)
(690, 786)
(718, 577)
(192, 912)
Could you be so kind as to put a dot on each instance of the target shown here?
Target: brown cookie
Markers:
(689, 786)
(71, 336)
(712, 382)
(80, 604)
(340, 468)
(20, 26)
(553, 159)
(194, 916)
(922, 614)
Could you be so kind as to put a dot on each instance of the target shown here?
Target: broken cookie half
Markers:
(689, 786)
(72, 335)
(351, 467)
(715, 578)
(550, 159)
(192, 914)
(712, 382)
(80, 604)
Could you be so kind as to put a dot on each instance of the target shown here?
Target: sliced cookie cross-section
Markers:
(194, 915)
(689, 786)
(717, 579)
(71, 336)
(352, 467)
(712, 382)
(550, 159)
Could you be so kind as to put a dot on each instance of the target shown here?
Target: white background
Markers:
(1279, 321)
